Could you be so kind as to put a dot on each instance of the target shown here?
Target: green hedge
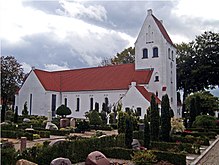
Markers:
(123, 153)
(101, 127)
(191, 139)
(204, 130)
(174, 158)
(8, 156)
(210, 135)
(176, 147)
(16, 134)
(60, 132)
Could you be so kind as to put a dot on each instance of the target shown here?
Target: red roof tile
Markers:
(114, 77)
(163, 30)
(147, 95)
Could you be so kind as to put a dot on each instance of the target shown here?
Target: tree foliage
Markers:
(25, 110)
(128, 131)
(94, 118)
(12, 76)
(146, 132)
(121, 122)
(63, 111)
(204, 103)
(205, 121)
(124, 57)
(154, 124)
(165, 118)
(198, 63)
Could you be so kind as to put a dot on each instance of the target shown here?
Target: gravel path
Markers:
(212, 157)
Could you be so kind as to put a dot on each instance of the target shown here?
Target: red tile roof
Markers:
(163, 30)
(114, 77)
(147, 95)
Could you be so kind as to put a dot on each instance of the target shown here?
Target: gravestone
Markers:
(58, 141)
(64, 123)
(72, 122)
(24, 162)
(61, 161)
(97, 158)
(135, 144)
(23, 144)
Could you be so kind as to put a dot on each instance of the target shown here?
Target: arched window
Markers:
(145, 53)
(155, 52)
(66, 102)
(172, 56)
(156, 77)
(169, 53)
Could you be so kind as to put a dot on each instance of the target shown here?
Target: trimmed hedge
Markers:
(60, 132)
(191, 139)
(176, 147)
(210, 135)
(16, 134)
(203, 130)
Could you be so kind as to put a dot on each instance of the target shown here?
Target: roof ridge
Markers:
(163, 30)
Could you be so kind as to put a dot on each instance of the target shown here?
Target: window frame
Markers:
(155, 52)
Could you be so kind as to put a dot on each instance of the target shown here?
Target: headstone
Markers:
(24, 162)
(51, 126)
(64, 123)
(72, 122)
(26, 120)
(49, 116)
(97, 158)
(58, 141)
(135, 144)
(23, 144)
(61, 161)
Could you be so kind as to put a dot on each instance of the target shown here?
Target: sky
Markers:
(57, 35)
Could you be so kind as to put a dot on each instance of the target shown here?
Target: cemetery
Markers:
(125, 140)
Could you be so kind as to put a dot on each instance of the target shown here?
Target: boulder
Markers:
(97, 158)
(24, 162)
(61, 161)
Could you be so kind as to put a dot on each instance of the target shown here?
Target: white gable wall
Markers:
(40, 98)
(134, 99)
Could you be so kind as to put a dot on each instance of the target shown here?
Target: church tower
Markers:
(155, 50)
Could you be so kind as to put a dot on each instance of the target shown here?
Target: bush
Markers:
(201, 140)
(176, 147)
(63, 111)
(8, 153)
(210, 135)
(144, 157)
(117, 153)
(205, 121)
(16, 134)
(60, 132)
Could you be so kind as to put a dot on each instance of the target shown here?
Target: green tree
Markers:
(205, 121)
(165, 118)
(16, 115)
(94, 118)
(154, 114)
(146, 132)
(121, 122)
(25, 110)
(197, 64)
(124, 57)
(63, 111)
(205, 103)
(11, 79)
(128, 131)
(193, 111)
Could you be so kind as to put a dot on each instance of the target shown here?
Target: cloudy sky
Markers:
(54, 35)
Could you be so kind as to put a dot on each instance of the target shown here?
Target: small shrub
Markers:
(144, 157)
(205, 121)
(36, 136)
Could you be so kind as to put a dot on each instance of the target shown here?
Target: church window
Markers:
(53, 105)
(169, 53)
(156, 77)
(138, 111)
(145, 53)
(155, 52)
(31, 95)
(78, 104)
(172, 56)
(91, 103)
(66, 102)
(157, 93)
(127, 109)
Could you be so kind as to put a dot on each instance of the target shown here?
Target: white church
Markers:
(154, 72)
